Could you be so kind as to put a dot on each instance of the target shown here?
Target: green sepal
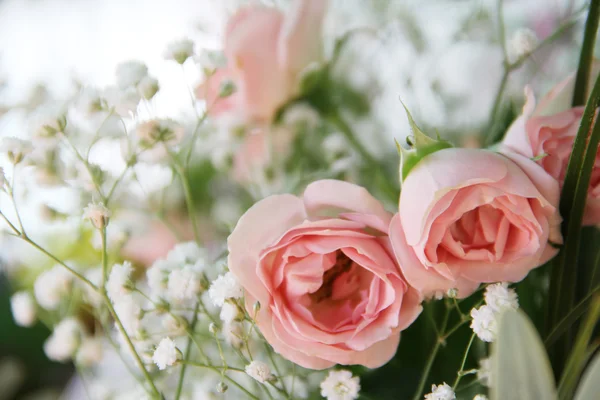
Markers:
(421, 146)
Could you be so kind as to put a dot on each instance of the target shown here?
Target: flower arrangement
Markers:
(262, 249)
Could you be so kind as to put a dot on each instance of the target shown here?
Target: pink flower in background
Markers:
(470, 216)
(547, 131)
(266, 51)
(324, 273)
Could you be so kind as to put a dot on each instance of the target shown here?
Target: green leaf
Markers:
(520, 366)
(590, 383)
(587, 54)
(578, 355)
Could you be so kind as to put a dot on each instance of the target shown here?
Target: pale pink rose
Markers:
(324, 272)
(469, 216)
(266, 51)
(549, 129)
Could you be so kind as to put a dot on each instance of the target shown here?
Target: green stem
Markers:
(587, 55)
(136, 356)
(188, 351)
(189, 200)
(431, 358)
(104, 258)
(459, 375)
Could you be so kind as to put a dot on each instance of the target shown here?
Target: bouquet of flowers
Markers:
(265, 246)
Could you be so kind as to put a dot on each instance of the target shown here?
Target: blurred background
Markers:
(442, 57)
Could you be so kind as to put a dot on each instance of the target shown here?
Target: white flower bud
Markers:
(180, 50)
(98, 215)
(23, 309)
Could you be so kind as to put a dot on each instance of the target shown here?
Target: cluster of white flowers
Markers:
(259, 371)
(166, 354)
(119, 281)
(340, 385)
(498, 297)
(51, 286)
(23, 308)
(441, 392)
(225, 287)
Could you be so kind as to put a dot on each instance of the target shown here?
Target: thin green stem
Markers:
(11, 192)
(460, 374)
(188, 351)
(104, 258)
(132, 349)
(431, 358)
(587, 55)
(10, 224)
(189, 200)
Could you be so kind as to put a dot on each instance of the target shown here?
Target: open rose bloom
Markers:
(323, 270)
(470, 216)
(547, 131)
(266, 76)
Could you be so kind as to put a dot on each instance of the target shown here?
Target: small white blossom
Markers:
(522, 43)
(303, 115)
(51, 285)
(441, 392)
(129, 313)
(63, 342)
(98, 214)
(185, 253)
(159, 131)
(119, 280)
(229, 312)
(340, 385)
(484, 323)
(210, 60)
(90, 352)
(179, 50)
(23, 309)
(500, 297)
(175, 326)
(184, 284)
(484, 373)
(166, 354)
(480, 397)
(223, 288)
(260, 371)
(16, 149)
(90, 101)
(130, 73)
(148, 87)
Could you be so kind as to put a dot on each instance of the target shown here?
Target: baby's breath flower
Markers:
(301, 115)
(179, 50)
(340, 385)
(130, 73)
(166, 354)
(223, 288)
(175, 326)
(441, 392)
(118, 282)
(51, 285)
(90, 351)
(129, 313)
(98, 214)
(158, 277)
(260, 371)
(184, 284)
(484, 373)
(522, 43)
(480, 397)
(156, 131)
(484, 323)
(23, 308)
(16, 149)
(148, 87)
(50, 127)
(211, 60)
(63, 342)
(500, 297)
(229, 312)
(185, 253)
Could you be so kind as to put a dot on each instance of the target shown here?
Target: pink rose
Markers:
(266, 51)
(549, 130)
(324, 273)
(469, 216)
